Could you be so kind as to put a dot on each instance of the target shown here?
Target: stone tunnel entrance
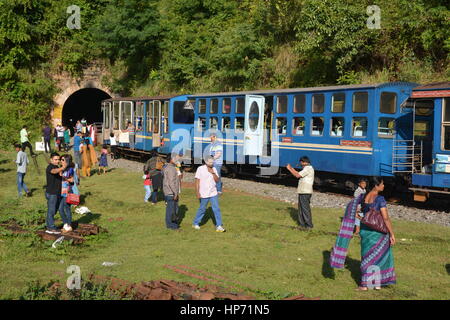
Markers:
(84, 103)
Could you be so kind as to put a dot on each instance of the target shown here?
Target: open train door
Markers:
(254, 125)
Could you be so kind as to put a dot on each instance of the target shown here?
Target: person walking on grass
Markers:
(154, 166)
(53, 191)
(103, 161)
(216, 151)
(25, 142)
(304, 190)
(171, 189)
(47, 134)
(206, 179)
(21, 162)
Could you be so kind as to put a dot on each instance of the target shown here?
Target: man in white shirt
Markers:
(21, 162)
(304, 190)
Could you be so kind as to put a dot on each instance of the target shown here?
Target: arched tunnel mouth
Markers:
(84, 103)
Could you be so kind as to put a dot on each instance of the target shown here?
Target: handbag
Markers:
(73, 198)
(375, 221)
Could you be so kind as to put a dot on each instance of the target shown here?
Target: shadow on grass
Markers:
(5, 170)
(293, 213)
(447, 267)
(87, 218)
(209, 214)
(181, 213)
(3, 161)
(84, 196)
(350, 264)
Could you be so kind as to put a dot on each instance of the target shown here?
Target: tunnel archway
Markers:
(83, 103)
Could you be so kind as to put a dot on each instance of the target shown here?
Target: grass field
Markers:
(261, 248)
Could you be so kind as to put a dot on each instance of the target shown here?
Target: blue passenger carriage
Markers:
(154, 119)
(346, 130)
(430, 147)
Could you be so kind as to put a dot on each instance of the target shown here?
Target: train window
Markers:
(156, 116)
(318, 103)
(388, 102)
(226, 123)
(281, 125)
(298, 128)
(317, 126)
(116, 115)
(446, 110)
(337, 127)
(299, 103)
(239, 124)
(202, 106)
(165, 116)
(213, 123)
(201, 123)
(125, 116)
(106, 115)
(214, 106)
(240, 105)
(183, 112)
(360, 101)
(150, 116)
(359, 127)
(386, 127)
(338, 102)
(253, 116)
(226, 105)
(139, 116)
(282, 104)
(446, 124)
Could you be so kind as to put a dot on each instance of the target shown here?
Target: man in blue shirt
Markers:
(77, 141)
(216, 151)
(21, 162)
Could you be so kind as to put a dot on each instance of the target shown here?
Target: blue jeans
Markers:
(21, 184)
(148, 193)
(171, 209)
(219, 183)
(155, 195)
(64, 211)
(53, 203)
(215, 207)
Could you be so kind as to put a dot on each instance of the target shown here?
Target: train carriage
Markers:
(430, 141)
(154, 119)
(346, 130)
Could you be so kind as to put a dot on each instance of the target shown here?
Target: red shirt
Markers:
(147, 181)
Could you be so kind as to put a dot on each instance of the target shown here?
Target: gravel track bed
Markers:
(319, 199)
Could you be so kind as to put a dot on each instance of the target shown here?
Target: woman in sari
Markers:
(89, 156)
(67, 185)
(377, 260)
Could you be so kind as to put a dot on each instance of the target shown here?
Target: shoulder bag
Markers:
(375, 221)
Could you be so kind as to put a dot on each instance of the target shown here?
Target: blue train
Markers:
(400, 131)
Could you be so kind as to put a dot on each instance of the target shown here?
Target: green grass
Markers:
(260, 249)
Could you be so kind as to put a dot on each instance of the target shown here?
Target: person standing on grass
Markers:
(77, 141)
(171, 188)
(113, 144)
(21, 162)
(304, 190)
(147, 185)
(362, 183)
(103, 163)
(66, 138)
(66, 188)
(216, 151)
(53, 191)
(154, 166)
(25, 142)
(206, 179)
(47, 134)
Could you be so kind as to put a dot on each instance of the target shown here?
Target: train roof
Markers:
(311, 89)
(140, 98)
(434, 86)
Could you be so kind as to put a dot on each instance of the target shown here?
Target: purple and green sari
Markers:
(376, 253)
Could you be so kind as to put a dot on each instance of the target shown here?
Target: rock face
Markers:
(319, 199)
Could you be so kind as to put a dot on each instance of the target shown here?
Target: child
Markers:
(147, 185)
(362, 183)
(113, 144)
(103, 165)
